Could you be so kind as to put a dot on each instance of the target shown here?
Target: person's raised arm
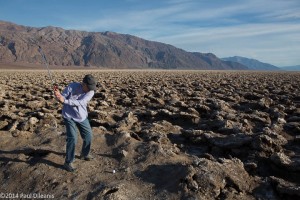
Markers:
(82, 102)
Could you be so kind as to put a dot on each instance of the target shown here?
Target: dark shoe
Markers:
(87, 158)
(69, 167)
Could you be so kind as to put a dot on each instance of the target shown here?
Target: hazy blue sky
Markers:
(267, 30)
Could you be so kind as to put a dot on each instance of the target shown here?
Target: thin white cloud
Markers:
(233, 32)
(283, 15)
(185, 12)
(268, 42)
(126, 21)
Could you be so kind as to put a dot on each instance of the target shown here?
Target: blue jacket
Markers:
(76, 100)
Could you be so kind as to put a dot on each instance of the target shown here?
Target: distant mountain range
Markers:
(19, 44)
(291, 68)
(252, 64)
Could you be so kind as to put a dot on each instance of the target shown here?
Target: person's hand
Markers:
(58, 96)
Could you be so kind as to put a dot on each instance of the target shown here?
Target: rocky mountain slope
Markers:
(19, 44)
(252, 64)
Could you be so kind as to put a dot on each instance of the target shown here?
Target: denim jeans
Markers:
(86, 135)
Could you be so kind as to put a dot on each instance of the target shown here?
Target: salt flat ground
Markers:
(167, 135)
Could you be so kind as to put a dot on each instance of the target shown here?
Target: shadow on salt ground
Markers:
(164, 177)
(34, 156)
(107, 155)
(100, 190)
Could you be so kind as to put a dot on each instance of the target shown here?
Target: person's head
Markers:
(88, 83)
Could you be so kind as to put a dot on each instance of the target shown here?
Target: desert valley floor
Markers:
(167, 134)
